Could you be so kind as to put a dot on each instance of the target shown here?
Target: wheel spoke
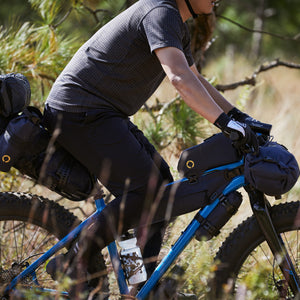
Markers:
(29, 240)
(29, 226)
(250, 265)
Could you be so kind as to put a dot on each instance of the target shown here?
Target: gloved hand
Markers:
(237, 115)
(256, 126)
(242, 136)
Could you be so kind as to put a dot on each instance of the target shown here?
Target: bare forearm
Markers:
(196, 96)
(214, 93)
(187, 83)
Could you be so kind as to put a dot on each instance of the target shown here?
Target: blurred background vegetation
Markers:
(38, 38)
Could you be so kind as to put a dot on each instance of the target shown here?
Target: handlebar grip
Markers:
(259, 127)
(234, 136)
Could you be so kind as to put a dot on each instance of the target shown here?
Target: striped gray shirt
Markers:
(117, 68)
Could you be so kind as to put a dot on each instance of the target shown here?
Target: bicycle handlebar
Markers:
(259, 127)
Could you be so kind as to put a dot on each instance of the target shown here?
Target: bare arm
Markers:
(187, 83)
(219, 99)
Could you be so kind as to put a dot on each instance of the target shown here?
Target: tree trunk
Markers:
(258, 25)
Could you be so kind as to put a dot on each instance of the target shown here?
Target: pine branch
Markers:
(63, 18)
(94, 13)
(294, 38)
(252, 79)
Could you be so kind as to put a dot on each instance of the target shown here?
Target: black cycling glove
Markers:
(255, 125)
(242, 136)
(237, 115)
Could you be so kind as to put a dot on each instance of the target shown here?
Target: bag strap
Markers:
(33, 114)
(4, 97)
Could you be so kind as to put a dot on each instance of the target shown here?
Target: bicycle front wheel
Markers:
(29, 226)
(246, 266)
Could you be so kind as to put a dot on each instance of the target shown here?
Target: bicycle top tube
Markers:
(220, 168)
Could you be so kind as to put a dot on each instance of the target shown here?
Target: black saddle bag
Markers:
(26, 145)
(15, 94)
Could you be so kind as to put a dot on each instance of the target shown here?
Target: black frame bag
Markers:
(202, 188)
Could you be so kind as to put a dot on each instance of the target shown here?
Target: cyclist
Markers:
(109, 78)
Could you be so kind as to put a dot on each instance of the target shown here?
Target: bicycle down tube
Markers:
(164, 265)
(184, 240)
(161, 269)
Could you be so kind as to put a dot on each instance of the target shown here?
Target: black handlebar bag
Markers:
(274, 171)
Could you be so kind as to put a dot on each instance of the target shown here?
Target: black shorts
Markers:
(110, 146)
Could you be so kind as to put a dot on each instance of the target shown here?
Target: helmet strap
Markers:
(191, 9)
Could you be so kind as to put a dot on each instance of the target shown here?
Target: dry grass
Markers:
(275, 100)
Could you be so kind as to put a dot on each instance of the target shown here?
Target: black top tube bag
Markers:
(202, 187)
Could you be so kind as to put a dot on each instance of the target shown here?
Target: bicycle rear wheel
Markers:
(29, 226)
(246, 266)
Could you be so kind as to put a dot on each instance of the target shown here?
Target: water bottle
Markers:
(131, 259)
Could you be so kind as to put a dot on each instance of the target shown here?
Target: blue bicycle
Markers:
(34, 229)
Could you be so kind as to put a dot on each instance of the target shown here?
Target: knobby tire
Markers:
(29, 226)
(245, 265)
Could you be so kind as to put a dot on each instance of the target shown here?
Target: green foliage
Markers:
(41, 46)
(10, 181)
(174, 124)
(260, 283)
(156, 134)
(200, 271)
(277, 17)
(39, 52)
(186, 125)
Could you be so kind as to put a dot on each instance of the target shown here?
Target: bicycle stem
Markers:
(260, 206)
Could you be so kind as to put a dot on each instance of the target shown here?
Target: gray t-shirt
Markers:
(117, 68)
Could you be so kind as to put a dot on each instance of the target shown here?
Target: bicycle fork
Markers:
(260, 207)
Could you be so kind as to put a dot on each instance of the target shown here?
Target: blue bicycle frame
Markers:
(174, 252)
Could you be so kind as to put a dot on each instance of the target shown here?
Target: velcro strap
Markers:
(63, 172)
(230, 174)
(5, 100)
(205, 224)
